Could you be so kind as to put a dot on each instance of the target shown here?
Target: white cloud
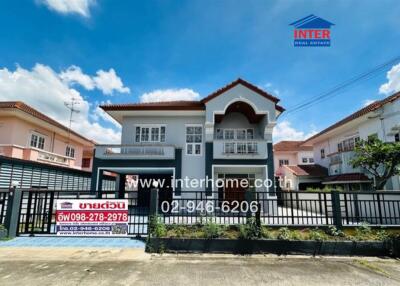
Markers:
(368, 102)
(285, 131)
(80, 7)
(108, 81)
(393, 84)
(43, 89)
(100, 113)
(169, 95)
(74, 75)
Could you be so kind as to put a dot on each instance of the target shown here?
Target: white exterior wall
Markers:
(380, 122)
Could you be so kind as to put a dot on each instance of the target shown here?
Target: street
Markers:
(124, 266)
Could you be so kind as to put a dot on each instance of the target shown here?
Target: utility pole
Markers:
(71, 106)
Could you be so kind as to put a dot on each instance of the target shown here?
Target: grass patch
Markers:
(372, 267)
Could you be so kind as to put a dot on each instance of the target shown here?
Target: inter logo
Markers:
(312, 31)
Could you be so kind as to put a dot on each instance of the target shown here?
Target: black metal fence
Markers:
(291, 209)
(38, 208)
(3, 204)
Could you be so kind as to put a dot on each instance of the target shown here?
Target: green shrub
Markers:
(157, 227)
(295, 235)
(333, 231)
(363, 232)
(284, 233)
(212, 230)
(382, 235)
(265, 233)
(250, 230)
(317, 235)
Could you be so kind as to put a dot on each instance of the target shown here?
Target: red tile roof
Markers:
(363, 111)
(163, 105)
(242, 82)
(313, 170)
(190, 105)
(350, 177)
(292, 146)
(33, 112)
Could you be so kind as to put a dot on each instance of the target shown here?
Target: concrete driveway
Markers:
(113, 266)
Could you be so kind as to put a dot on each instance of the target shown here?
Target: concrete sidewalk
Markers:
(102, 266)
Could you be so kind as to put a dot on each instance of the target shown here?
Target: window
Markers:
(150, 134)
(322, 153)
(194, 139)
(229, 134)
(37, 141)
(86, 162)
(220, 134)
(241, 134)
(283, 162)
(70, 152)
(250, 133)
(304, 160)
(348, 144)
(311, 160)
(397, 137)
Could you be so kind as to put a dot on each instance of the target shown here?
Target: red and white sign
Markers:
(92, 217)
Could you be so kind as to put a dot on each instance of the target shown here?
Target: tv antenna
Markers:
(71, 106)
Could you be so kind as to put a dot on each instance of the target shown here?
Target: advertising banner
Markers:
(92, 217)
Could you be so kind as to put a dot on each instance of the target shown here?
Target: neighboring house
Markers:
(294, 165)
(333, 147)
(28, 134)
(227, 134)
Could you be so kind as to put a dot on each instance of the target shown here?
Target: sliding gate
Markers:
(38, 211)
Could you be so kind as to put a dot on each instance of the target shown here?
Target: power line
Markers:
(341, 86)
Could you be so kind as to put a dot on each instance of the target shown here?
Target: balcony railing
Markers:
(232, 149)
(240, 148)
(52, 157)
(135, 151)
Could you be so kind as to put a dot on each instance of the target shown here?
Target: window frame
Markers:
(282, 162)
(37, 144)
(161, 136)
(322, 153)
(194, 144)
(70, 148)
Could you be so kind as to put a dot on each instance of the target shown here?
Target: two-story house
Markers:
(227, 134)
(30, 135)
(294, 166)
(333, 147)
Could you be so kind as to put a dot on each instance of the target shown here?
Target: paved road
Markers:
(73, 266)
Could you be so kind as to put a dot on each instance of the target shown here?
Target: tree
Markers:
(380, 159)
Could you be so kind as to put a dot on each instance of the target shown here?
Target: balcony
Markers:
(247, 149)
(35, 154)
(132, 152)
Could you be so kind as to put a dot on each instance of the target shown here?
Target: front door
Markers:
(235, 188)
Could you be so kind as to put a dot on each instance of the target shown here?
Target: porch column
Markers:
(120, 186)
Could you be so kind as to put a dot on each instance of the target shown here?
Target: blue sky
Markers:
(116, 51)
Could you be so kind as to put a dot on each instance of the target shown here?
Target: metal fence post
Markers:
(153, 210)
(12, 213)
(337, 212)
